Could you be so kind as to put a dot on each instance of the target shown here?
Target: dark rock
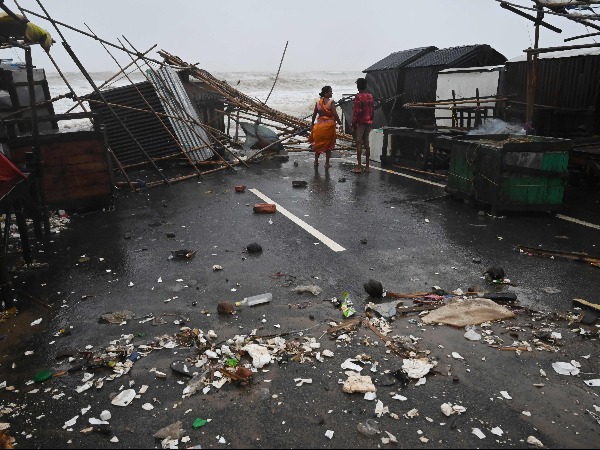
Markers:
(374, 288)
(589, 318)
(254, 248)
(342, 180)
(495, 273)
(170, 235)
(299, 183)
(225, 308)
(477, 260)
(363, 241)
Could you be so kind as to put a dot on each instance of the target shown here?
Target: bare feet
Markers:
(356, 170)
(367, 169)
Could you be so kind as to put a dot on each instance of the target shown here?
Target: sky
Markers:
(250, 35)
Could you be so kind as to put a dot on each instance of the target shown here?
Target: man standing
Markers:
(362, 121)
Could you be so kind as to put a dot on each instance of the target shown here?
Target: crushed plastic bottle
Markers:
(369, 427)
(255, 300)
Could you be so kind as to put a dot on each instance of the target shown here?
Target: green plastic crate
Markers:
(510, 172)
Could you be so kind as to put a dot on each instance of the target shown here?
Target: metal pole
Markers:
(39, 169)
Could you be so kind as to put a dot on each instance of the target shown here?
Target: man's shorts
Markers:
(362, 133)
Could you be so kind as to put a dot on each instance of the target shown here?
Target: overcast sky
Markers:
(250, 35)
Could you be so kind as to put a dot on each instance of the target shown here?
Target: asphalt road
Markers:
(337, 235)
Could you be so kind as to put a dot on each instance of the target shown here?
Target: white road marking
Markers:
(577, 221)
(320, 236)
(407, 176)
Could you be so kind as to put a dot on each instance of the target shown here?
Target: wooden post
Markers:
(532, 68)
(454, 119)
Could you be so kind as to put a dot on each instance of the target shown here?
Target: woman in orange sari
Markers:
(323, 133)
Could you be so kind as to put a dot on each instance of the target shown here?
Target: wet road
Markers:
(402, 232)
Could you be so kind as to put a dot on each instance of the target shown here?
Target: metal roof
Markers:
(444, 56)
(400, 59)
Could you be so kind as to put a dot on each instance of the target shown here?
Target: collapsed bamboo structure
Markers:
(154, 122)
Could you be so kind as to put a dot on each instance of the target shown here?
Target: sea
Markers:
(294, 93)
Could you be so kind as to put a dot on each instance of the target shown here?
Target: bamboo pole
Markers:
(122, 72)
(84, 72)
(178, 104)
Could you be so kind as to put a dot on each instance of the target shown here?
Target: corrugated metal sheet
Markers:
(399, 59)
(443, 56)
(569, 86)
(144, 125)
(176, 102)
(154, 133)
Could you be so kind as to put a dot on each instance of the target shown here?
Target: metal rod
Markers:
(278, 70)
(36, 141)
(560, 49)
(538, 21)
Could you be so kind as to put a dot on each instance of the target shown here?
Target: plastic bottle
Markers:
(255, 300)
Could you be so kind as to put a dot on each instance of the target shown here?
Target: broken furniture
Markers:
(77, 172)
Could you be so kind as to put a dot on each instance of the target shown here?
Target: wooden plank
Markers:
(76, 181)
(59, 196)
(74, 169)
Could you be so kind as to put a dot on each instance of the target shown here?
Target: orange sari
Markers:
(323, 133)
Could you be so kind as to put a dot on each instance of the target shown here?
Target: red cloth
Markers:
(363, 109)
(8, 171)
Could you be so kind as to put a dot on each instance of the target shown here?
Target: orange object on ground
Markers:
(267, 208)
(240, 188)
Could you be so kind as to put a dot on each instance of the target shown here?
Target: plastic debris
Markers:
(70, 423)
(369, 427)
(594, 383)
(477, 432)
(416, 368)
(198, 422)
(147, 406)
(370, 396)
(124, 398)
(471, 334)
(105, 415)
(173, 431)
(118, 317)
(36, 322)
(42, 375)
(216, 268)
(472, 312)
(497, 431)
(255, 300)
(565, 368)
(329, 434)
(350, 365)
(313, 289)
(260, 355)
(449, 409)
(391, 438)
(182, 254)
(380, 410)
(301, 381)
(505, 395)
(387, 310)
(456, 355)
